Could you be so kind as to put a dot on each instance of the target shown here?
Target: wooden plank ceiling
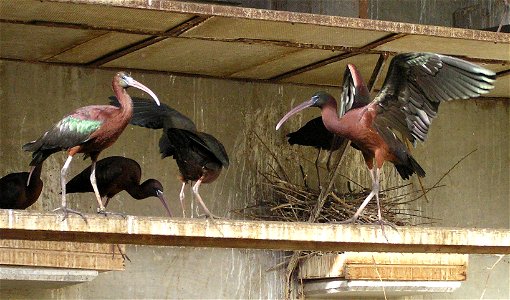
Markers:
(227, 42)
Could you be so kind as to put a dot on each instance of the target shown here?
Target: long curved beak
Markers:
(163, 201)
(293, 111)
(142, 87)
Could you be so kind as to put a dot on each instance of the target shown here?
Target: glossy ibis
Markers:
(409, 100)
(88, 130)
(354, 95)
(15, 193)
(115, 174)
(199, 156)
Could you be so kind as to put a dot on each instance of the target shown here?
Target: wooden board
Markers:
(69, 255)
(385, 266)
(405, 272)
(47, 226)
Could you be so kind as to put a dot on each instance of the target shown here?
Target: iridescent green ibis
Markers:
(199, 156)
(115, 174)
(415, 85)
(15, 193)
(88, 130)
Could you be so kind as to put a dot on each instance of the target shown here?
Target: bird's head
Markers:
(317, 100)
(125, 80)
(156, 190)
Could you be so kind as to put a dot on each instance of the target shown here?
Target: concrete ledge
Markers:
(24, 225)
(330, 288)
(12, 277)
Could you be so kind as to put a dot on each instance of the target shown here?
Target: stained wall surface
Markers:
(241, 114)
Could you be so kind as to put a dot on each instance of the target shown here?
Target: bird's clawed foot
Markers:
(67, 211)
(383, 223)
(106, 213)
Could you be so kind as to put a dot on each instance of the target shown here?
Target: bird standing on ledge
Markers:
(15, 193)
(115, 174)
(409, 100)
(199, 156)
(88, 130)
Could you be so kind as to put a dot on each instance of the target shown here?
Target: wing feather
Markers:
(355, 93)
(417, 82)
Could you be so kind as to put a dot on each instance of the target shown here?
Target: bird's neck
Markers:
(331, 120)
(141, 191)
(126, 104)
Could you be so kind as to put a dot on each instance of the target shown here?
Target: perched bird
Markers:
(115, 174)
(314, 134)
(15, 193)
(88, 130)
(408, 102)
(199, 156)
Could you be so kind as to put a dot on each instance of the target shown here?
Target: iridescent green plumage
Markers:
(79, 125)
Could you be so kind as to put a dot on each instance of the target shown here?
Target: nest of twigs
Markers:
(291, 202)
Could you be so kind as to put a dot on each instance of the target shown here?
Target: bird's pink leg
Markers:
(374, 192)
(195, 192)
(181, 198)
(317, 167)
(101, 209)
(63, 207)
(94, 187)
(379, 214)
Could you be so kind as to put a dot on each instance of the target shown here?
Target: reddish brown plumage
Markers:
(88, 130)
(407, 103)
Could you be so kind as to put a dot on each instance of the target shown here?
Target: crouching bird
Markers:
(115, 174)
(88, 130)
(199, 156)
(415, 85)
(15, 193)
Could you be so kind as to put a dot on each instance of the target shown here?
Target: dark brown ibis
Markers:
(115, 174)
(88, 130)
(199, 156)
(408, 102)
(15, 193)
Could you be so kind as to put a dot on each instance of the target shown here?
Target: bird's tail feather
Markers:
(412, 166)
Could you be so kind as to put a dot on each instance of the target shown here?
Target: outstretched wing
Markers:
(146, 113)
(355, 93)
(417, 82)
